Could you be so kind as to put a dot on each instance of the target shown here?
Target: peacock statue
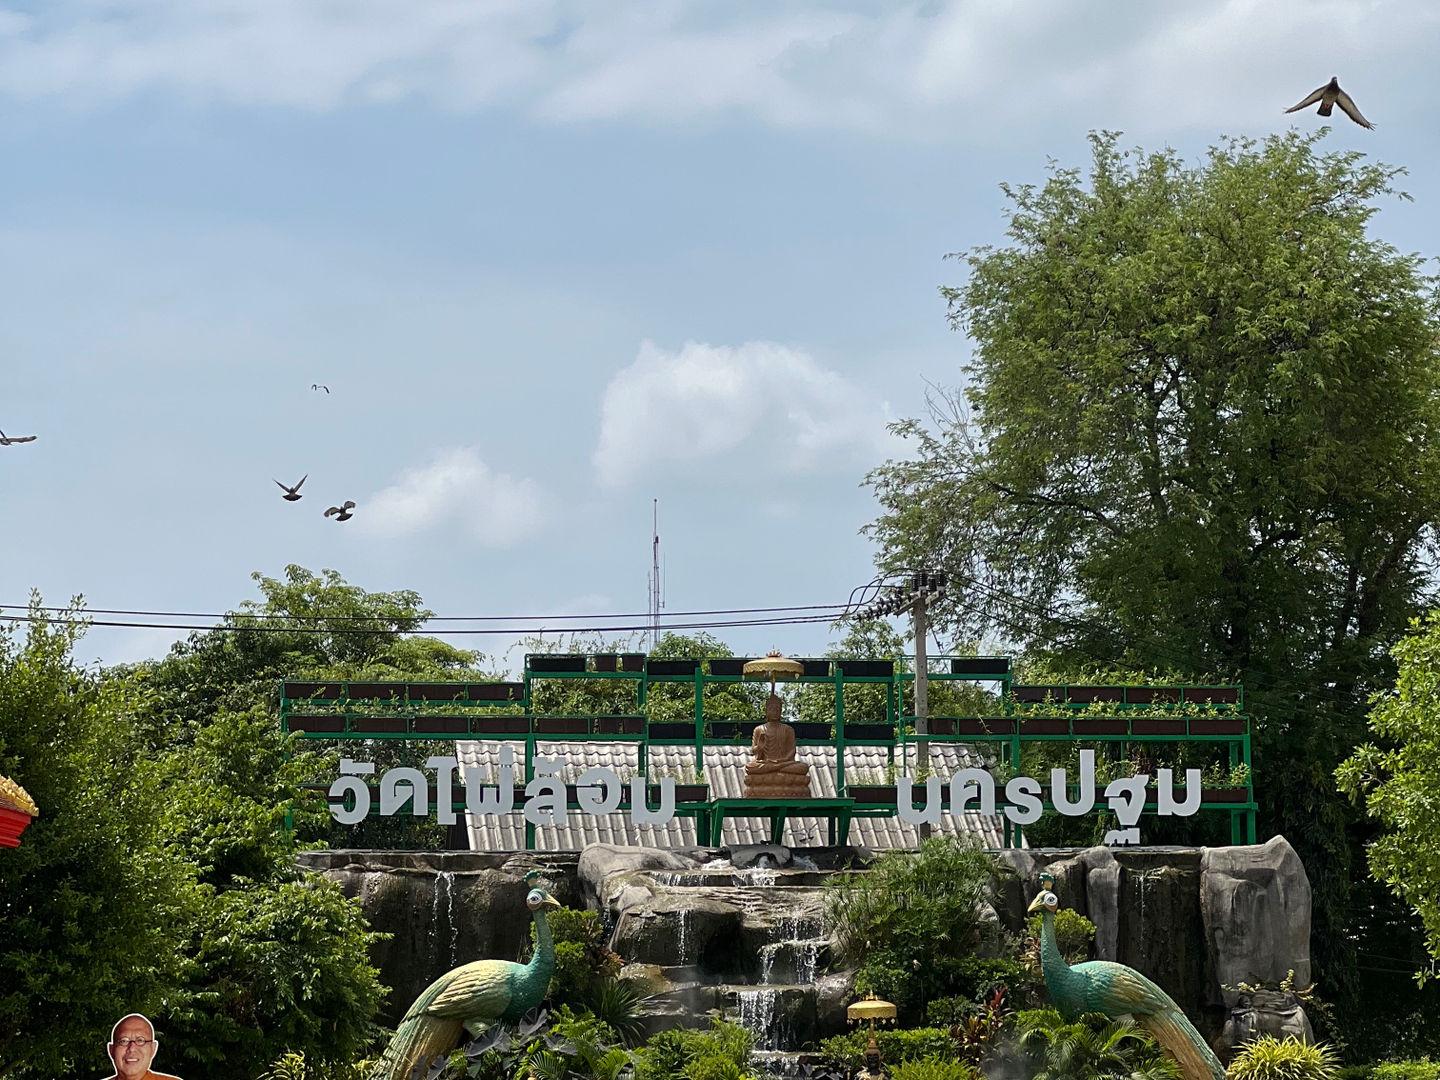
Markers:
(1102, 986)
(473, 996)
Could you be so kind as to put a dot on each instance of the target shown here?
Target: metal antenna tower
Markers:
(656, 582)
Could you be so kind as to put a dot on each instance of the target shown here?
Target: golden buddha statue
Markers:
(772, 771)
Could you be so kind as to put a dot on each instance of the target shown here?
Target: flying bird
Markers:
(341, 512)
(11, 440)
(1329, 96)
(319, 386)
(292, 494)
(475, 996)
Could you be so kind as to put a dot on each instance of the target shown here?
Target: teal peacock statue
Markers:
(474, 996)
(1101, 986)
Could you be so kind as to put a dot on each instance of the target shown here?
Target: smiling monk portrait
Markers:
(132, 1049)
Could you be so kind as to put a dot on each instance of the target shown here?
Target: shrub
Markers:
(1074, 933)
(896, 1046)
(1092, 1046)
(911, 919)
(669, 1054)
(1268, 1058)
(934, 1068)
(1407, 1070)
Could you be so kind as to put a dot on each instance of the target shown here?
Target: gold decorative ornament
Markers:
(14, 797)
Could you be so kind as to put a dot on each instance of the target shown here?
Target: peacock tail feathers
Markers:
(1178, 1038)
(418, 1041)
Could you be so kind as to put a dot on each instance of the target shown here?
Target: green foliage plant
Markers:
(909, 920)
(1092, 1046)
(1269, 1058)
(1407, 1070)
(668, 1054)
(934, 1068)
(1074, 933)
(896, 1045)
(1396, 777)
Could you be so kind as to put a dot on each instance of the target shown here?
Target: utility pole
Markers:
(919, 589)
(656, 596)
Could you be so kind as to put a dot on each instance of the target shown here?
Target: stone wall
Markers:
(1196, 920)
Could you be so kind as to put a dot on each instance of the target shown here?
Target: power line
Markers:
(434, 618)
(503, 630)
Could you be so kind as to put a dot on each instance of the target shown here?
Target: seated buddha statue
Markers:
(772, 771)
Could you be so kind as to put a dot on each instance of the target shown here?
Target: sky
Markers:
(553, 261)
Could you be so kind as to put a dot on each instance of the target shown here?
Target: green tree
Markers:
(91, 901)
(1398, 778)
(1199, 432)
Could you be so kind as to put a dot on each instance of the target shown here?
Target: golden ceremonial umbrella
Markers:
(774, 665)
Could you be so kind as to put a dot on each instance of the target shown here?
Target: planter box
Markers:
(1215, 695)
(731, 729)
(380, 724)
(1045, 725)
(980, 665)
(672, 731)
(1100, 725)
(871, 794)
(809, 730)
(1149, 725)
(606, 661)
(884, 732)
(1225, 795)
(672, 667)
(440, 725)
(495, 691)
(361, 691)
(1152, 695)
(12, 824)
(816, 668)
(1034, 695)
(684, 793)
(562, 725)
(434, 692)
(632, 661)
(318, 724)
(620, 725)
(730, 665)
(557, 663)
(500, 725)
(305, 691)
(874, 669)
(1084, 695)
(990, 725)
(1227, 725)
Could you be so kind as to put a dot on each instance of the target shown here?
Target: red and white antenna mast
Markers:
(657, 601)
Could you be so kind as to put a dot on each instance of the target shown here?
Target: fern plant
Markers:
(1093, 1047)
(1269, 1058)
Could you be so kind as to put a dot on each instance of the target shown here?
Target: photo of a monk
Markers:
(132, 1049)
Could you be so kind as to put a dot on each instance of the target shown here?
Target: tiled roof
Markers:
(724, 771)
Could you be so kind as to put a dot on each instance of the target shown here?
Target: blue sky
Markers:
(553, 260)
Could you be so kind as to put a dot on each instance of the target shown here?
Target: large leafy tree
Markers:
(1199, 432)
(90, 901)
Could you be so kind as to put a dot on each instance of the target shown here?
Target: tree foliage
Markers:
(1398, 778)
(1199, 432)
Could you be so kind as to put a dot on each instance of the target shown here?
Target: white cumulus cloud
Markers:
(749, 405)
(458, 488)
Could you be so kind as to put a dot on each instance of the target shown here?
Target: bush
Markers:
(1268, 1058)
(582, 961)
(911, 920)
(1074, 933)
(934, 1069)
(896, 1046)
(1407, 1070)
(1093, 1046)
(669, 1054)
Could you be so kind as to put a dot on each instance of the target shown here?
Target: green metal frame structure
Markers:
(503, 711)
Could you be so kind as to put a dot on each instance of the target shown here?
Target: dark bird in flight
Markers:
(292, 494)
(342, 512)
(1329, 96)
(319, 386)
(11, 440)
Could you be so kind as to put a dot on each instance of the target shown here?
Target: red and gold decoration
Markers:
(17, 810)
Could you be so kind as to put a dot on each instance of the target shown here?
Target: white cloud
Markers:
(934, 69)
(752, 406)
(457, 487)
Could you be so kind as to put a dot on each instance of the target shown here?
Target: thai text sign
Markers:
(601, 791)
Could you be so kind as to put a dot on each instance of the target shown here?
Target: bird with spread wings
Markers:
(1329, 96)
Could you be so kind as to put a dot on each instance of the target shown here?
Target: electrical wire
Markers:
(439, 618)
(503, 630)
